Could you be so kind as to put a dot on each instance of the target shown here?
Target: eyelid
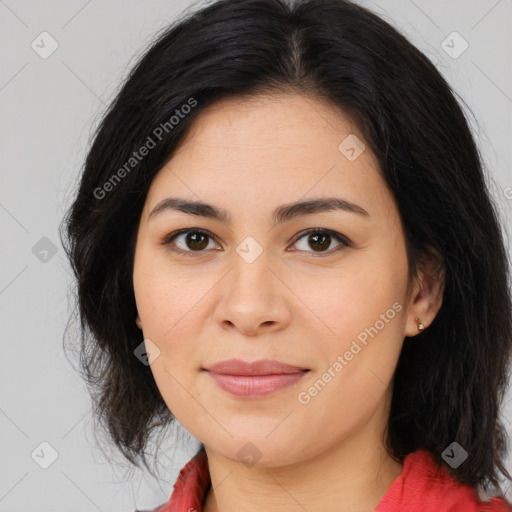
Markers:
(343, 240)
(168, 239)
(334, 234)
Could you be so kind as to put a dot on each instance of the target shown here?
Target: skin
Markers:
(300, 302)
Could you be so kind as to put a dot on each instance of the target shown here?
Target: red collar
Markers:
(422, 486)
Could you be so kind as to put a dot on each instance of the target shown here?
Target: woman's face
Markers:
(254, 286)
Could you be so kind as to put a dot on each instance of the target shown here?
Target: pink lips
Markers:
(256, 379)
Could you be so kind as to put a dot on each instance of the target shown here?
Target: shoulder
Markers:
(190, 487)
(490, 504)
(426, 486)
(495, 505)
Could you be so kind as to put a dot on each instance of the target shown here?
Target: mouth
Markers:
(256, 379)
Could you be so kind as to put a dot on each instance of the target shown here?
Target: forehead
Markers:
(271, 120)
(277, 148)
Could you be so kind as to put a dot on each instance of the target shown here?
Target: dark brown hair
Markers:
(449, 382)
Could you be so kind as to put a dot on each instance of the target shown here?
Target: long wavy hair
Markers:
(450, 381)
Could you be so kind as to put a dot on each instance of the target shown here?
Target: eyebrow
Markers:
(283, 213)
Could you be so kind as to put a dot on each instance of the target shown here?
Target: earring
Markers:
(421, 327)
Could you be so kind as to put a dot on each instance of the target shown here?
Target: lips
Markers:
(256, 379)
(263, 367)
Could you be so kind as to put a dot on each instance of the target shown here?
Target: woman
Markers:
(283, 239)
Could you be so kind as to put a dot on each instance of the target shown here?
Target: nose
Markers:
(253, 297)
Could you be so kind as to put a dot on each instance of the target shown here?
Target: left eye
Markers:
(321, 239)
(197, 240)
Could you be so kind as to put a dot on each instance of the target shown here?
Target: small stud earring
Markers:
(421, 327)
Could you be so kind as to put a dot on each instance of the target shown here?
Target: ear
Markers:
(426, 297)
(138, 321)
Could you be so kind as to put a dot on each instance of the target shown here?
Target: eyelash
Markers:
(168, 240)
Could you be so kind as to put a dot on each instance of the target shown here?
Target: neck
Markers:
(350, 476)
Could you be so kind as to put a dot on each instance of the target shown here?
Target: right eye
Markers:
(194, 241)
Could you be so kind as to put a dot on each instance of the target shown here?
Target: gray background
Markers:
(50, 107)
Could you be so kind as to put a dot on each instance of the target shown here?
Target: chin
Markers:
(260, 451)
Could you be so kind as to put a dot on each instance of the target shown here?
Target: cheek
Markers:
(157, 304)
(172, 313)
(164, 296)
(344, 302)
(169, 322)
(359, 314)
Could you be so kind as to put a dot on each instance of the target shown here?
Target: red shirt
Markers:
(422, 486)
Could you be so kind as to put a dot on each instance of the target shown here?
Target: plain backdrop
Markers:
(50, 105)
